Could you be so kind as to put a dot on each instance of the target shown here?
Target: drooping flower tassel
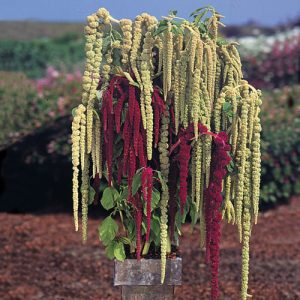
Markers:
(75, 159)
(213, 198)
(183, 157)
(85, 197)
(164, 166)
(173, 177)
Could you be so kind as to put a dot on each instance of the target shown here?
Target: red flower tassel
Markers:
(173, 176)
(104, 116)
(158, 108)
(118, 110)
(131, 169)
(126, 138)
(109, 146)
(213, 202)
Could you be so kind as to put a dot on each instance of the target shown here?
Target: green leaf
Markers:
(176, 23)
(109, 250)
(172, 12)
(106, 43)
(227, 106)
(177, 30)
(155, 198)
(144, 228)
(221, 41)
(231, 166)
(116, 55)
(117, 35)
(74, 111)
(195, 12)
(162, 181)
(124, 193)
(92, 194)
(109, 197)
(178, 219)
(200, 16)
(154, 201)
(130, 226)
(160, 29)
(193, 213)
(202, 27)
(108, 230)
(155, 225)
(136, 182)
(125, 240)
(103, 186)
(119, 251)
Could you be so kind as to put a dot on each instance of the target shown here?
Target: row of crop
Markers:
(33, 57)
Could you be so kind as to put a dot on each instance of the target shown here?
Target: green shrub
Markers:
(32, 57)
(27, 105)
(281, 145)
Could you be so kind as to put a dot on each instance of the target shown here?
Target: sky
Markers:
(265, 12)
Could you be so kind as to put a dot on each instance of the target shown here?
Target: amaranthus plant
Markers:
(167, 128)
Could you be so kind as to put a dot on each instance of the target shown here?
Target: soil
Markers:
(43, 258)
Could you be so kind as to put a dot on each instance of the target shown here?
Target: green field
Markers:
(28, 30)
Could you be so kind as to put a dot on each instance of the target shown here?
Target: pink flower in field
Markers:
(41, 84)
(51, 114)
(78, 74)
(52, 73)
(70, 77)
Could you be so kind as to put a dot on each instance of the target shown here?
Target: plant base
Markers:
(140, 280)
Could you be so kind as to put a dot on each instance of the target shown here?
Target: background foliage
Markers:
(34, 56)
(40, 83)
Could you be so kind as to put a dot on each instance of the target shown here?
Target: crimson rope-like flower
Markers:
(173, 176)
(213, 201)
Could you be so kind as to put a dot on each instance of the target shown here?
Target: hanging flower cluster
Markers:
(168, 124)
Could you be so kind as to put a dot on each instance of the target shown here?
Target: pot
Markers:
(140, 280)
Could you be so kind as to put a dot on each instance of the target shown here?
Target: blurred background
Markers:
(41, 62)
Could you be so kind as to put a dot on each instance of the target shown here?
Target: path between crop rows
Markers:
(42, 258)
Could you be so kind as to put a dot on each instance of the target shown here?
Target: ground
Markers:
(42, 258)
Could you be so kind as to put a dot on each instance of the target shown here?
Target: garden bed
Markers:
(42, 258)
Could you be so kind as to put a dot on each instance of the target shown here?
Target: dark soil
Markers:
(43, 258)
